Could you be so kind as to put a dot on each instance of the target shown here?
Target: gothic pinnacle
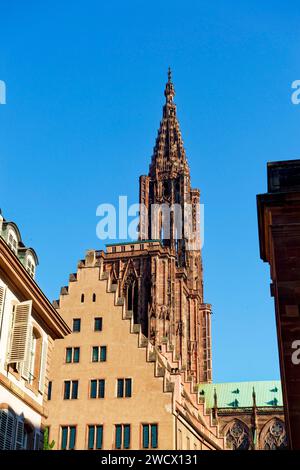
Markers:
(169, 90)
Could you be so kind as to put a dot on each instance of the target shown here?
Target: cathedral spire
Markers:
(169, 90)
(169, 159)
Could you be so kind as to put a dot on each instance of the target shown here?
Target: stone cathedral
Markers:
(137, 364)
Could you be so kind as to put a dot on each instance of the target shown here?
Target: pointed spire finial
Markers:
(169, 90)
(254, 397)
(215, 398)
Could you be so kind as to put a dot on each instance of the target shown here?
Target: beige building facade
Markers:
(28, 327)
(154, 406)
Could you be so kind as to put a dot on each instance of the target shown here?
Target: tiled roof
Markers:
(239, 394)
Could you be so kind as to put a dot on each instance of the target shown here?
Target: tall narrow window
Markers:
(95, 437)
(128, 387)
(76, 354)
(122, 436)
(120, 388)
(101, 391)
(49, 395)
(95, 354)
(102, 353)
(68, 437)
(82, 298)
(94, 297)
(68, 355)
(67, 390)
(74, 389)
(118, 436)
(93, 392)
(150, 436)
(64, 437)
(126, 442)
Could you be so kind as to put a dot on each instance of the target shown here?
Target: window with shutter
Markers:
(2, 298)
(19, 443)
(37, 440)
(27, 364)
(43, 367)
(20, 334)
(7, 430)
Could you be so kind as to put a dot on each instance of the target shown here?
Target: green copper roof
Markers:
(239, 394)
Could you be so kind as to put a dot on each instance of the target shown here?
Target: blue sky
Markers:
(85, 85)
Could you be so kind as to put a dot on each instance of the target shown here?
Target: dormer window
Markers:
(12, 242)
(30, 266)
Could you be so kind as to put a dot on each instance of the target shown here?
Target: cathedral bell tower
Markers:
(169, 213)
(159, 277)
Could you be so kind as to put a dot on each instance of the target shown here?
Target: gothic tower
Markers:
(160, 275)
(168, 186)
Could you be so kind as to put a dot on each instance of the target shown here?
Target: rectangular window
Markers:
(67, 390)
(99, 353)
(120, 391)
(118, 436)
(64, 437)
(122, 436)
(74, 389)
(101, 388)
(72, 355)
(145, 436)
(93, 392)
(70, 389)
(76, 325)
(128, 388)
(126, 442)
(150, 436)
(76, 355)
(124, 388)
(98, 324)
(95, 354)
(49, 395)
(97, 388)
(68, 355)
(68, 437)
(103, 353)
(95, 437)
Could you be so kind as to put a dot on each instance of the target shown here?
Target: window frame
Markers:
(68, 427)
(76, 320)
(95, 428)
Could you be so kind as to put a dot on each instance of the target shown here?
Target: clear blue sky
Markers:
(85, 84)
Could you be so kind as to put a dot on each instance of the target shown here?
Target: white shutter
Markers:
(20, 332)
(7, 427)
(43, 367)
(25, 366)
(2, 298)
(19, 444)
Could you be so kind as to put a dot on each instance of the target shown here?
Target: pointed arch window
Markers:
(274, 435)
(237, 436)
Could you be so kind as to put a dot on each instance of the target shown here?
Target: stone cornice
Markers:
(25, 286)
